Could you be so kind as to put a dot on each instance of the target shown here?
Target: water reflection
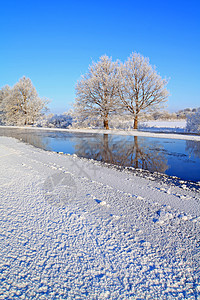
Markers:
(173, 157)
(125, 152)
(30, 137)
(193, 148)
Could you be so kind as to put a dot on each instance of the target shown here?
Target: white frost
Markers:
(109, 234)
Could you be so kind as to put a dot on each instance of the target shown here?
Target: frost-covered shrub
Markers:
(193, 121)
(86, 122)
(56, 121)
(94, 121)
(60, 121)
(2, 120)
(121, 122)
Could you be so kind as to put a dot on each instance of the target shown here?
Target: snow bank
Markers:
(178, 126)
(74, 229)
(165, 124)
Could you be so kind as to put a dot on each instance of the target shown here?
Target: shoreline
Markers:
(178, 136)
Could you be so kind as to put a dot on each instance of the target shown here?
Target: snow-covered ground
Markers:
(166, 123)
(75, 229)
(178, 126)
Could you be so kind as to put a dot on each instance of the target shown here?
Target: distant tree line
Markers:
(56, 121)
(166, 115)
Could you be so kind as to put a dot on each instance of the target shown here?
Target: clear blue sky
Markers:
(53, 43)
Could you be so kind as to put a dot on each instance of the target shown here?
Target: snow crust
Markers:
(165, 124)
(75, 229)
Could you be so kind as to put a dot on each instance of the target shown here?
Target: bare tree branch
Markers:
(141, 86)
(97, 91)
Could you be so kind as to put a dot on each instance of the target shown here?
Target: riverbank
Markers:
(178, 136)
(73, 228)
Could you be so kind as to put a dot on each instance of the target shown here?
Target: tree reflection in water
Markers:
(193, 148)
(123, 151)
(27, 136)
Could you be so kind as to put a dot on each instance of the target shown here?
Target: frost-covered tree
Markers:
(64, 120)
(22, 105)
(97, 91)
(141, 87)
(4, 92)
(60, 121)
(193, 121)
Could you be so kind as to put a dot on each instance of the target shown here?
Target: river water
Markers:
(179, 158)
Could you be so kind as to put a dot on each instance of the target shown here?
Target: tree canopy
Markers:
(109, 87)
(142, 88)
(97, 91)
(21, 104)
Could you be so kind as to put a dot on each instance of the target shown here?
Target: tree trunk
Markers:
(136, 122)
(105, 123)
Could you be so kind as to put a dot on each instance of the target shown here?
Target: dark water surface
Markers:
(179, 158)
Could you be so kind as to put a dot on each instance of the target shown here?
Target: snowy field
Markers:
(164, 126)
(75, 229)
